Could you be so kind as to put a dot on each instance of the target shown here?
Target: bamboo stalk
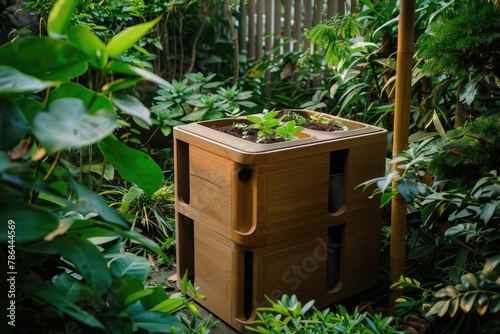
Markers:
(404, 64)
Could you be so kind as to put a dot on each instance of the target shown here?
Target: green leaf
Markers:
(132, 165)
(87, 259)
(146, 242)
(158, 322)
(120, 84)
(73, 290)
(170, 305)
(440, 308)
(157, 296)
(123, 68)
(89, 43)
(469, 280)
(28, 223)
(13, 125)
(59, 17)
(487, 211)
(467, 302)
(60, 61)
(33, 286)
(427, 212)
(13, 81)
(89, 201)
(386, 198)
(4, 161)
(126, 38)
(408, 189)
(134, 297)
(131, 105)
(133, 265)
(93, 101)
(124, 287)
(67, 124)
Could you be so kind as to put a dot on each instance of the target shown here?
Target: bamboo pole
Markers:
(404, 64)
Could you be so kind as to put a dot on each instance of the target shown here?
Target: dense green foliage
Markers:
(289, 316)
(82, 177)
(61, 241)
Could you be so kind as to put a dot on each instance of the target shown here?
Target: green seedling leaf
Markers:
(13, 81)
(13, 125)
(125, 39)
(132, 165)
(59, 17)
(89, 43)
(60, 61)
(67, 124)
(132, 106)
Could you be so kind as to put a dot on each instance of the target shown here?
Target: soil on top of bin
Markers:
(250, 134)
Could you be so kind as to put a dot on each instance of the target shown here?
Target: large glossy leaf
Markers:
(154, 298)
(132, 106)
(28, 223)
(126, 38)
(13, 81)
(13, 125)
(89, 262)
(158, 322)
(75, 291)
(135, 297)
(89, 201)
(59, 17)
(133, 265)
(132, 165)
(93, 101)
(91, 44)
(45, 293)
(124, 287)
(44, 58)
(67, 124)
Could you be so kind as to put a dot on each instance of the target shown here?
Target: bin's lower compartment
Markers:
(328, 265)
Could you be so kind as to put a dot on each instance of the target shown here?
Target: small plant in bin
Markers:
(289, 130)
(265, 124)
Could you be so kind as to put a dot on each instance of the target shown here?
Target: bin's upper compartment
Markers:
(307, 137)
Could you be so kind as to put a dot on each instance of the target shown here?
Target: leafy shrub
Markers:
(61, 240)
(289, 316)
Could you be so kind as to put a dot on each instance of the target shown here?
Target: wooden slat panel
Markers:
(261, 18)
(288, 23)
(278, 9)
(297, 24)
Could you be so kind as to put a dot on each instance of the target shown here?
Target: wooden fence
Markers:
(265, 24)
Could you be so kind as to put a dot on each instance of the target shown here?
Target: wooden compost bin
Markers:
(267, 219)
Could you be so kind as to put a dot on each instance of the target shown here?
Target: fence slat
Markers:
(287, 20)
